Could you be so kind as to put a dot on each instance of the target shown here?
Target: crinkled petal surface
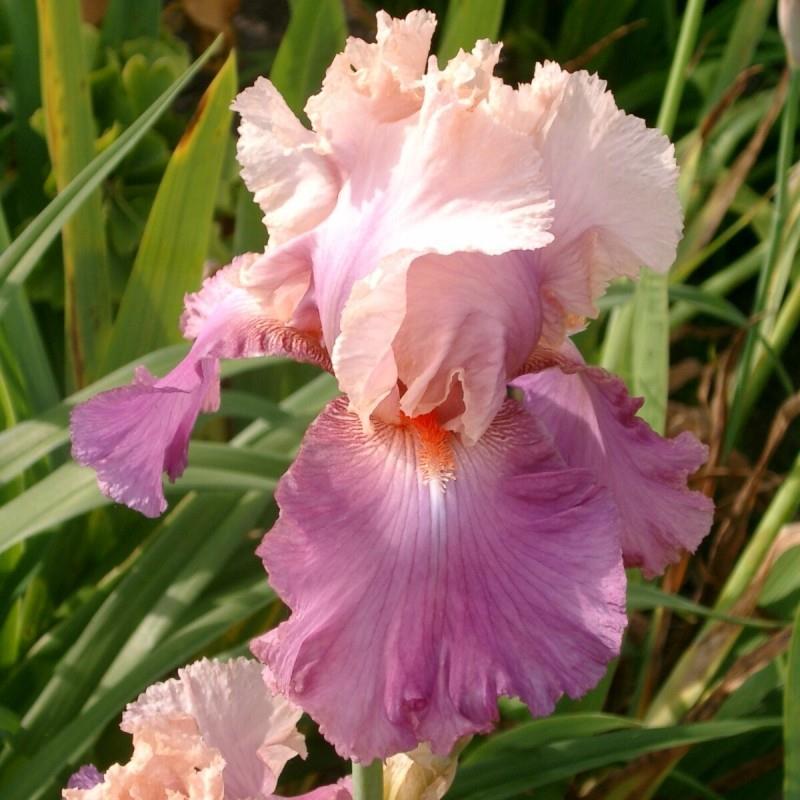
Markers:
(282, 164)
(613, 180)
(372, 83)
(254, 730)
(593, 422)
(129, 436)
(170, 760)
(427, 578)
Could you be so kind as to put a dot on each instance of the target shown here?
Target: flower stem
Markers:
(368, 780)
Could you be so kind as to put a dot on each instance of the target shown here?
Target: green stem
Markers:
(785, 153)
(616, 345)
(368, 780)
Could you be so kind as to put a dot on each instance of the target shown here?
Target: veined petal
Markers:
(426, 578)
(451, 329)
(613, 180)
(282, 163)
(593, 422)
(129, 436)
(254, 730)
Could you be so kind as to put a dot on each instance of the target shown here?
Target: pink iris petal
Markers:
(254, 731)
(593, 422)
(430, 184)
(614, 183)
(426, 578)
(369, 84)
(129, 436)
(283, 163)
(453, 350)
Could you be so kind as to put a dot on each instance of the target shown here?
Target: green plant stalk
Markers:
(791, 719)
(785, 151)
(70, 138)
(697, 665)
(786, 325)
(368, 780)
(651, 305)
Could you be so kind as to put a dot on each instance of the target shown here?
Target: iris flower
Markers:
(435, 238)
(212, 733)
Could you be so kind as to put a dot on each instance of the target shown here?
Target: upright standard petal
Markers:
(427, 578)
(254, 730)
(293, 181)
(372, 83)
(614, 183)
(593, 422)
(129, 436)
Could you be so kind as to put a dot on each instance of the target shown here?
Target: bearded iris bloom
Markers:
(212, 733)
(434, 239)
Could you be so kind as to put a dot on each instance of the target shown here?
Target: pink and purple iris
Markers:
(434, 239)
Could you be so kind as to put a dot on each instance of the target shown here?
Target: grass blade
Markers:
(467, 21)
(650, 324)
(170, 259)
(791, 719)
(316, 32)
(70, 139)
(24, 253)
(505, 777)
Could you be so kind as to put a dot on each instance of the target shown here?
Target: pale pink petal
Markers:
(372, 83)
(129, 436)
(170, 760)
(593, 422)
(613, 180)
(282, 163)
(427, 578)
(335, 791)
(453, 181)
(254, 730)
(452, 328)
(470, 74)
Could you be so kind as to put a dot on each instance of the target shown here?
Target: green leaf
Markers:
(70, 140)
(170, 259)
(30, 151)
(645, 596)
(33, 777)
(216, 545)
(316, 32)
(467, 21)
(22, 256)
(540, 732)
(125, 20)
(791, 719)
(507, 775)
